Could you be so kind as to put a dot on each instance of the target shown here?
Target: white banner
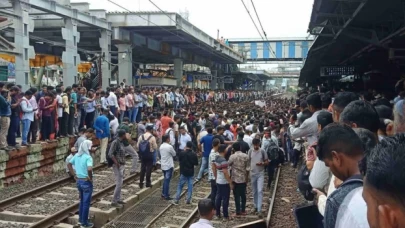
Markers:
(261, 104)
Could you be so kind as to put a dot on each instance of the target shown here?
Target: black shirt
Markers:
(220, 137)
(188, 159)
(244, 146)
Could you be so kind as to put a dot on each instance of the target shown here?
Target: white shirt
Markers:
(183, 139)
(67, 162)
(104, 103)
(320, 174)
(248, 140)
(167, 153)
(353, 211)
(170, 132)
(60, 108)
(112, 100)
(249, 127)
(202, 223)
(114, 125)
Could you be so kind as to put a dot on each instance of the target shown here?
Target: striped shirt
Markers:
(221, 163)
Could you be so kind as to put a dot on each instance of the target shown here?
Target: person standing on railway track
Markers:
(83, 174)
(239, 163)
(206, 141)
(224, 183)
(258, 160)
(188, 160)
(146, 146)
(127, 146)
(211, 177)
(207, 211)
(117, 154)
(102, 127)
(167, 154)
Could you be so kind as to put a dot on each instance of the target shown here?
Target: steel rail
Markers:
(72, 209)
(190, 218)
(168, 207)
(266, 221)
(39, 190)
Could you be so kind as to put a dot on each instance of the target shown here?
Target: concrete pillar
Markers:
(220, 74)
(70, 58)
(178, 71)
(257, 85)
(23, 25)
(213, 83)
(125, 63)
(105, 45)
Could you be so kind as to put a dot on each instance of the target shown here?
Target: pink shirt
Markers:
(121, 103)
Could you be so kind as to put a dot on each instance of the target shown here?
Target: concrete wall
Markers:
(37, 160)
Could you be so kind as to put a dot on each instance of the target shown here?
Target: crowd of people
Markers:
(346, 146)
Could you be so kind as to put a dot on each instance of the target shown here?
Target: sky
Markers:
(280, 18)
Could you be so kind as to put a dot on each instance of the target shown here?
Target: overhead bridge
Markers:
(272, 49)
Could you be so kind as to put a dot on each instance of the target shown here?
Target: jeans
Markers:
(12, 130)
(82, 118)
(139, 114)
(45, 129)
(257, 181)
(26, 123)
(70, 120)
(167, 176)
(119, 179)
(213, 191)
(85, 192)
(239, 193)
(204, 167)
(77, 121)
(89, 119)
(182, 181)
(271, 168)
(295, 157)
(113, 109)
(131, 152)
(32, 133)
(223, 193)
(134, 114)
(146, 169)
(129, 113)
(122, 114)
(154, 157)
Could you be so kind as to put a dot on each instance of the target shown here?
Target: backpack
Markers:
(110, 162)
(303, 183)
(272, 150)
(144, 145)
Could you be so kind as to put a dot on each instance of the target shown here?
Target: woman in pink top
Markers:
(122, 105)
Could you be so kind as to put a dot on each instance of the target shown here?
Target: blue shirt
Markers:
(207, 141)
(81, 164)
(73, 96)
(102, 127)
(5, 108)
(90, 107)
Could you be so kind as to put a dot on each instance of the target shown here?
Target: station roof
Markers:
(172, 30)
(358, 33)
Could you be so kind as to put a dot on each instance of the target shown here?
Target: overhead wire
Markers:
(257, 29)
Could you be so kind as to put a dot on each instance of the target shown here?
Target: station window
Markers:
(25, 30)
(26, 53)
(74, 40)
(26, 78)
(74, 60)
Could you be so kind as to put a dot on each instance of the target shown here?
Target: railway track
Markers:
(55, 204)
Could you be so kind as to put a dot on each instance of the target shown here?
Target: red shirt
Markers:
(165, 123)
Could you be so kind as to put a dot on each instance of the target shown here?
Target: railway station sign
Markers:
(203, 77)
(227, 80)
(337, 71)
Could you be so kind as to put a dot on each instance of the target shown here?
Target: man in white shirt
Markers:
(104, 100)
(248, 139)
(171, 133)
(183, 138)
(167, 153)
(60, 107)
(207, 212)
(113, 102)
